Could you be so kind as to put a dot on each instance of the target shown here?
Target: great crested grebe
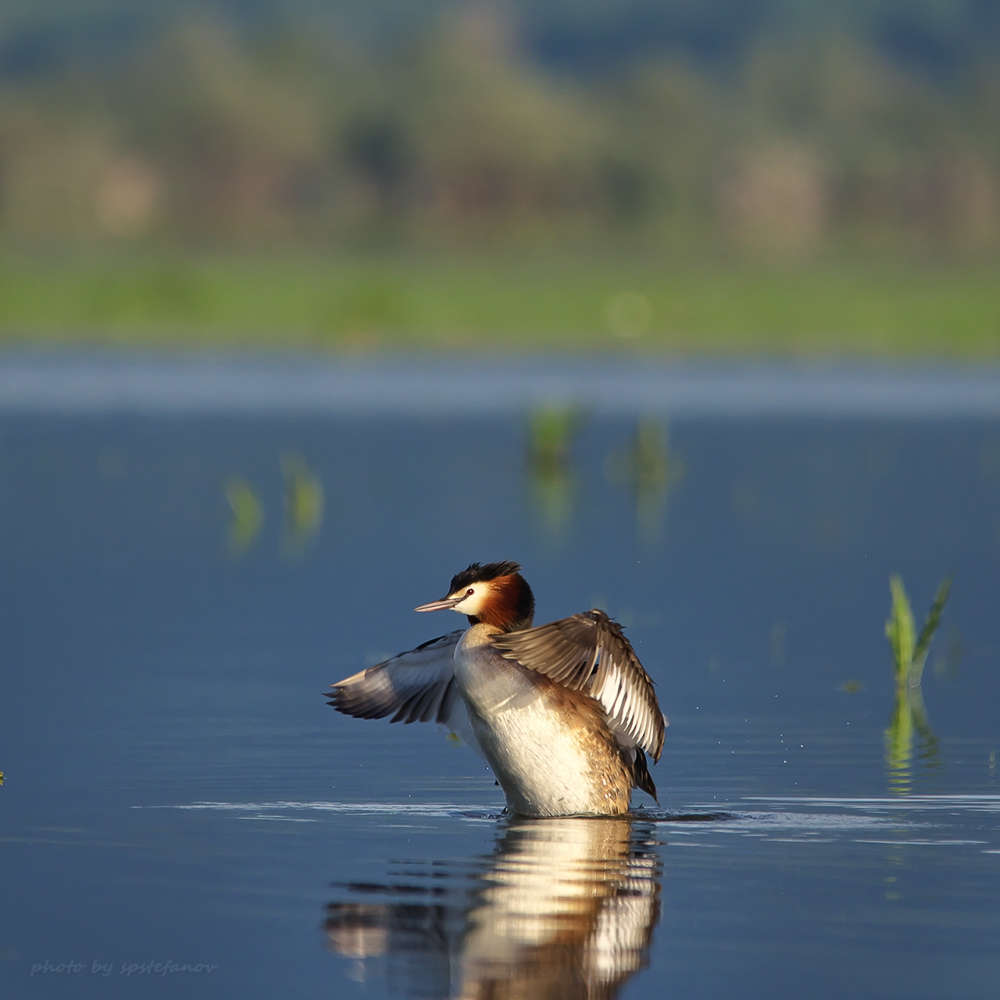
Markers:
(564, 713)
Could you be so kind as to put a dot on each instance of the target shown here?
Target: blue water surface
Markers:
(183, 815)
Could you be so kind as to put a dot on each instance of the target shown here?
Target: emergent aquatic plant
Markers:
(909, 653)
(304, 500)
(248, 515)
(551, 430)
(649, 469)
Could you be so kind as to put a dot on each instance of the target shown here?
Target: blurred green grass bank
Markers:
(812, 178)
(485, 303)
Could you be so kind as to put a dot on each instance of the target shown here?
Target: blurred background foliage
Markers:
(145, 147)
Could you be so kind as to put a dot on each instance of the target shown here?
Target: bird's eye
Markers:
(469, 591)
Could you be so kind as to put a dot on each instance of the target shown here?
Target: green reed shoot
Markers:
(909, 650)
(551, 430)
(304, 500)
(248, 515)
(909, 717)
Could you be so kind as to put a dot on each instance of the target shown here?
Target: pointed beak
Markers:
(445, 604)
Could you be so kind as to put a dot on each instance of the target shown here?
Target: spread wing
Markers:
(416, 686)
(589, 652)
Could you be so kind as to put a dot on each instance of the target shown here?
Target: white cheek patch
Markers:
(473, 604)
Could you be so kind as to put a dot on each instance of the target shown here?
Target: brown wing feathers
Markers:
(564, 650)
(589, 652)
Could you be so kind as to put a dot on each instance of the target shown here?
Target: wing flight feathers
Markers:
(416, 686)
(589, 652)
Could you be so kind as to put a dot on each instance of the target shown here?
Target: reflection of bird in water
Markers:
(563, 713)
(565, 909)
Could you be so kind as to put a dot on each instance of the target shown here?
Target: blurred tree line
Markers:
(771, 127)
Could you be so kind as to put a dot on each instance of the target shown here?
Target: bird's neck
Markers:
(511, 604)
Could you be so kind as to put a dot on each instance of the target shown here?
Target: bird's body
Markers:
(550, 748)
(564, 714)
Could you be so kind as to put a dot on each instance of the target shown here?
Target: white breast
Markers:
(539, 760)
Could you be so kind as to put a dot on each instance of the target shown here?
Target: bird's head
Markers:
(494, 593)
